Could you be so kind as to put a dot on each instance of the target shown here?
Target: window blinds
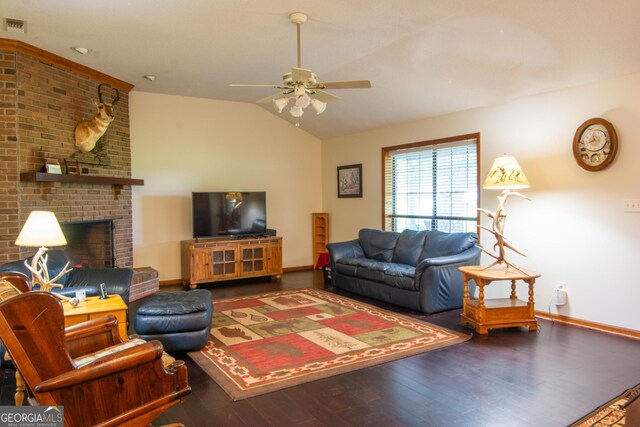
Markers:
(432, 187)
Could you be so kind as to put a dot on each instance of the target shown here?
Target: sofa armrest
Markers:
(470, 255)
(440, 281)
(116, 280)
(338, 250)
(350, 249)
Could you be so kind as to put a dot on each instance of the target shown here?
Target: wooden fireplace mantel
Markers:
(79, 179)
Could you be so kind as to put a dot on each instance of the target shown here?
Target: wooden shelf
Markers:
(79, 179)
(320, 226)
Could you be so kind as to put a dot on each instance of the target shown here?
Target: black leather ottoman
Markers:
(181, 321)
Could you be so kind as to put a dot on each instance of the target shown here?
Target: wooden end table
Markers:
(497, 312)
(91, 308)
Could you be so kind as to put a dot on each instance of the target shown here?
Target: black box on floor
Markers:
(326, 271)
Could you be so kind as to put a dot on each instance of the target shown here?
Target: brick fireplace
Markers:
(90, 243)
(42, 98)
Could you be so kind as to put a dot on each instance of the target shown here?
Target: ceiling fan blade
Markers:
(323, 96)
(348, 84)
(270, 98)
(250, 85)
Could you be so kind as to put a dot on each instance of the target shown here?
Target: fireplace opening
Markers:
(90, 243)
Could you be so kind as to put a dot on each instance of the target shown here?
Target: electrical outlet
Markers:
(559, 295)
(631, 205)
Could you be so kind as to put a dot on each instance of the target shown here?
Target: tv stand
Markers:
(230, 258)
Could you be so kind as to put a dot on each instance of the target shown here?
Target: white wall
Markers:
(574, 229)
(181, 144)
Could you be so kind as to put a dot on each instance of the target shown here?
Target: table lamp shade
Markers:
(506, 173)
(41, 229)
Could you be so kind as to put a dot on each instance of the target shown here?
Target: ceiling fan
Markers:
(302, 86)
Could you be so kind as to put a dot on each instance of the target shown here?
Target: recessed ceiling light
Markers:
(150, 77)
(81, 50)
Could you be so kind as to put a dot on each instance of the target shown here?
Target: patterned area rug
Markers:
(611, 414)
(268, 342)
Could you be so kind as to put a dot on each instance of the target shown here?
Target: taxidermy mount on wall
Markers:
(88, 132)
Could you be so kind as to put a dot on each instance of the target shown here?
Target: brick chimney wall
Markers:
(42, 98)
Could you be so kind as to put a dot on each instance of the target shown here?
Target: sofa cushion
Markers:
(397, 275)
(401, 276)
(378, 244)
(346, 269)
(362, 267)
(439, 244)
(401, 270)
(409, 247)
(370, 274)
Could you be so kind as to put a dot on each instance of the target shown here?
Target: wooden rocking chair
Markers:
(123, 384)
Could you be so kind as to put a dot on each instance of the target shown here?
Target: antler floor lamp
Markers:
(41, 230)
(506, 175)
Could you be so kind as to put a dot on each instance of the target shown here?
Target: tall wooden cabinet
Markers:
(320, 229)
(214, 260)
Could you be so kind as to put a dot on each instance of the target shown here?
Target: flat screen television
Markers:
(229, 213)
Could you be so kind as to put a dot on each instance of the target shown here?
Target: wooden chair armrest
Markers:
(92, 335)
(105, 366)
(93, 327)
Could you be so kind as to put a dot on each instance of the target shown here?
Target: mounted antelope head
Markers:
(88, 132)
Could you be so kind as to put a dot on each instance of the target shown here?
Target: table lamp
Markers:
(41, 230)
(505, 174)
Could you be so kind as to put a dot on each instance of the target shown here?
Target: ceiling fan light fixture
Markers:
(319, 106)
(303, 101)
(296, 111)
(302, 85)
(280, 103)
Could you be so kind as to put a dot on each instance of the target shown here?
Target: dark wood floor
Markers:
(510, 378)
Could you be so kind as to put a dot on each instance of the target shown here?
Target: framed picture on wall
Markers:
(52, 166)
(350, 181)
(73, 167)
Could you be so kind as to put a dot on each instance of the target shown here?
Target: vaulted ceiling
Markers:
(423, 57)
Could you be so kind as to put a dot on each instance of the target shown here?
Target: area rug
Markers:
(262, 343)
(611, 414)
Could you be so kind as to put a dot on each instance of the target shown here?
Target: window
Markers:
(432, 185)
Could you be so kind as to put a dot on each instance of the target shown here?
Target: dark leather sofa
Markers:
(413, 269)
(116, 280)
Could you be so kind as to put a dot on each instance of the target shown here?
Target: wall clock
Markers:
(595, 144)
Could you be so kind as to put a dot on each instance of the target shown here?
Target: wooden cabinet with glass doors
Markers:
(215, 260)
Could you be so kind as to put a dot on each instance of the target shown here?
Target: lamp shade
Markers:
(280, 103)
(506, 173)
(319, 106)
(41, 229)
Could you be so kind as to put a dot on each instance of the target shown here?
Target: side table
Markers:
(497, 312)
(93, 308)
